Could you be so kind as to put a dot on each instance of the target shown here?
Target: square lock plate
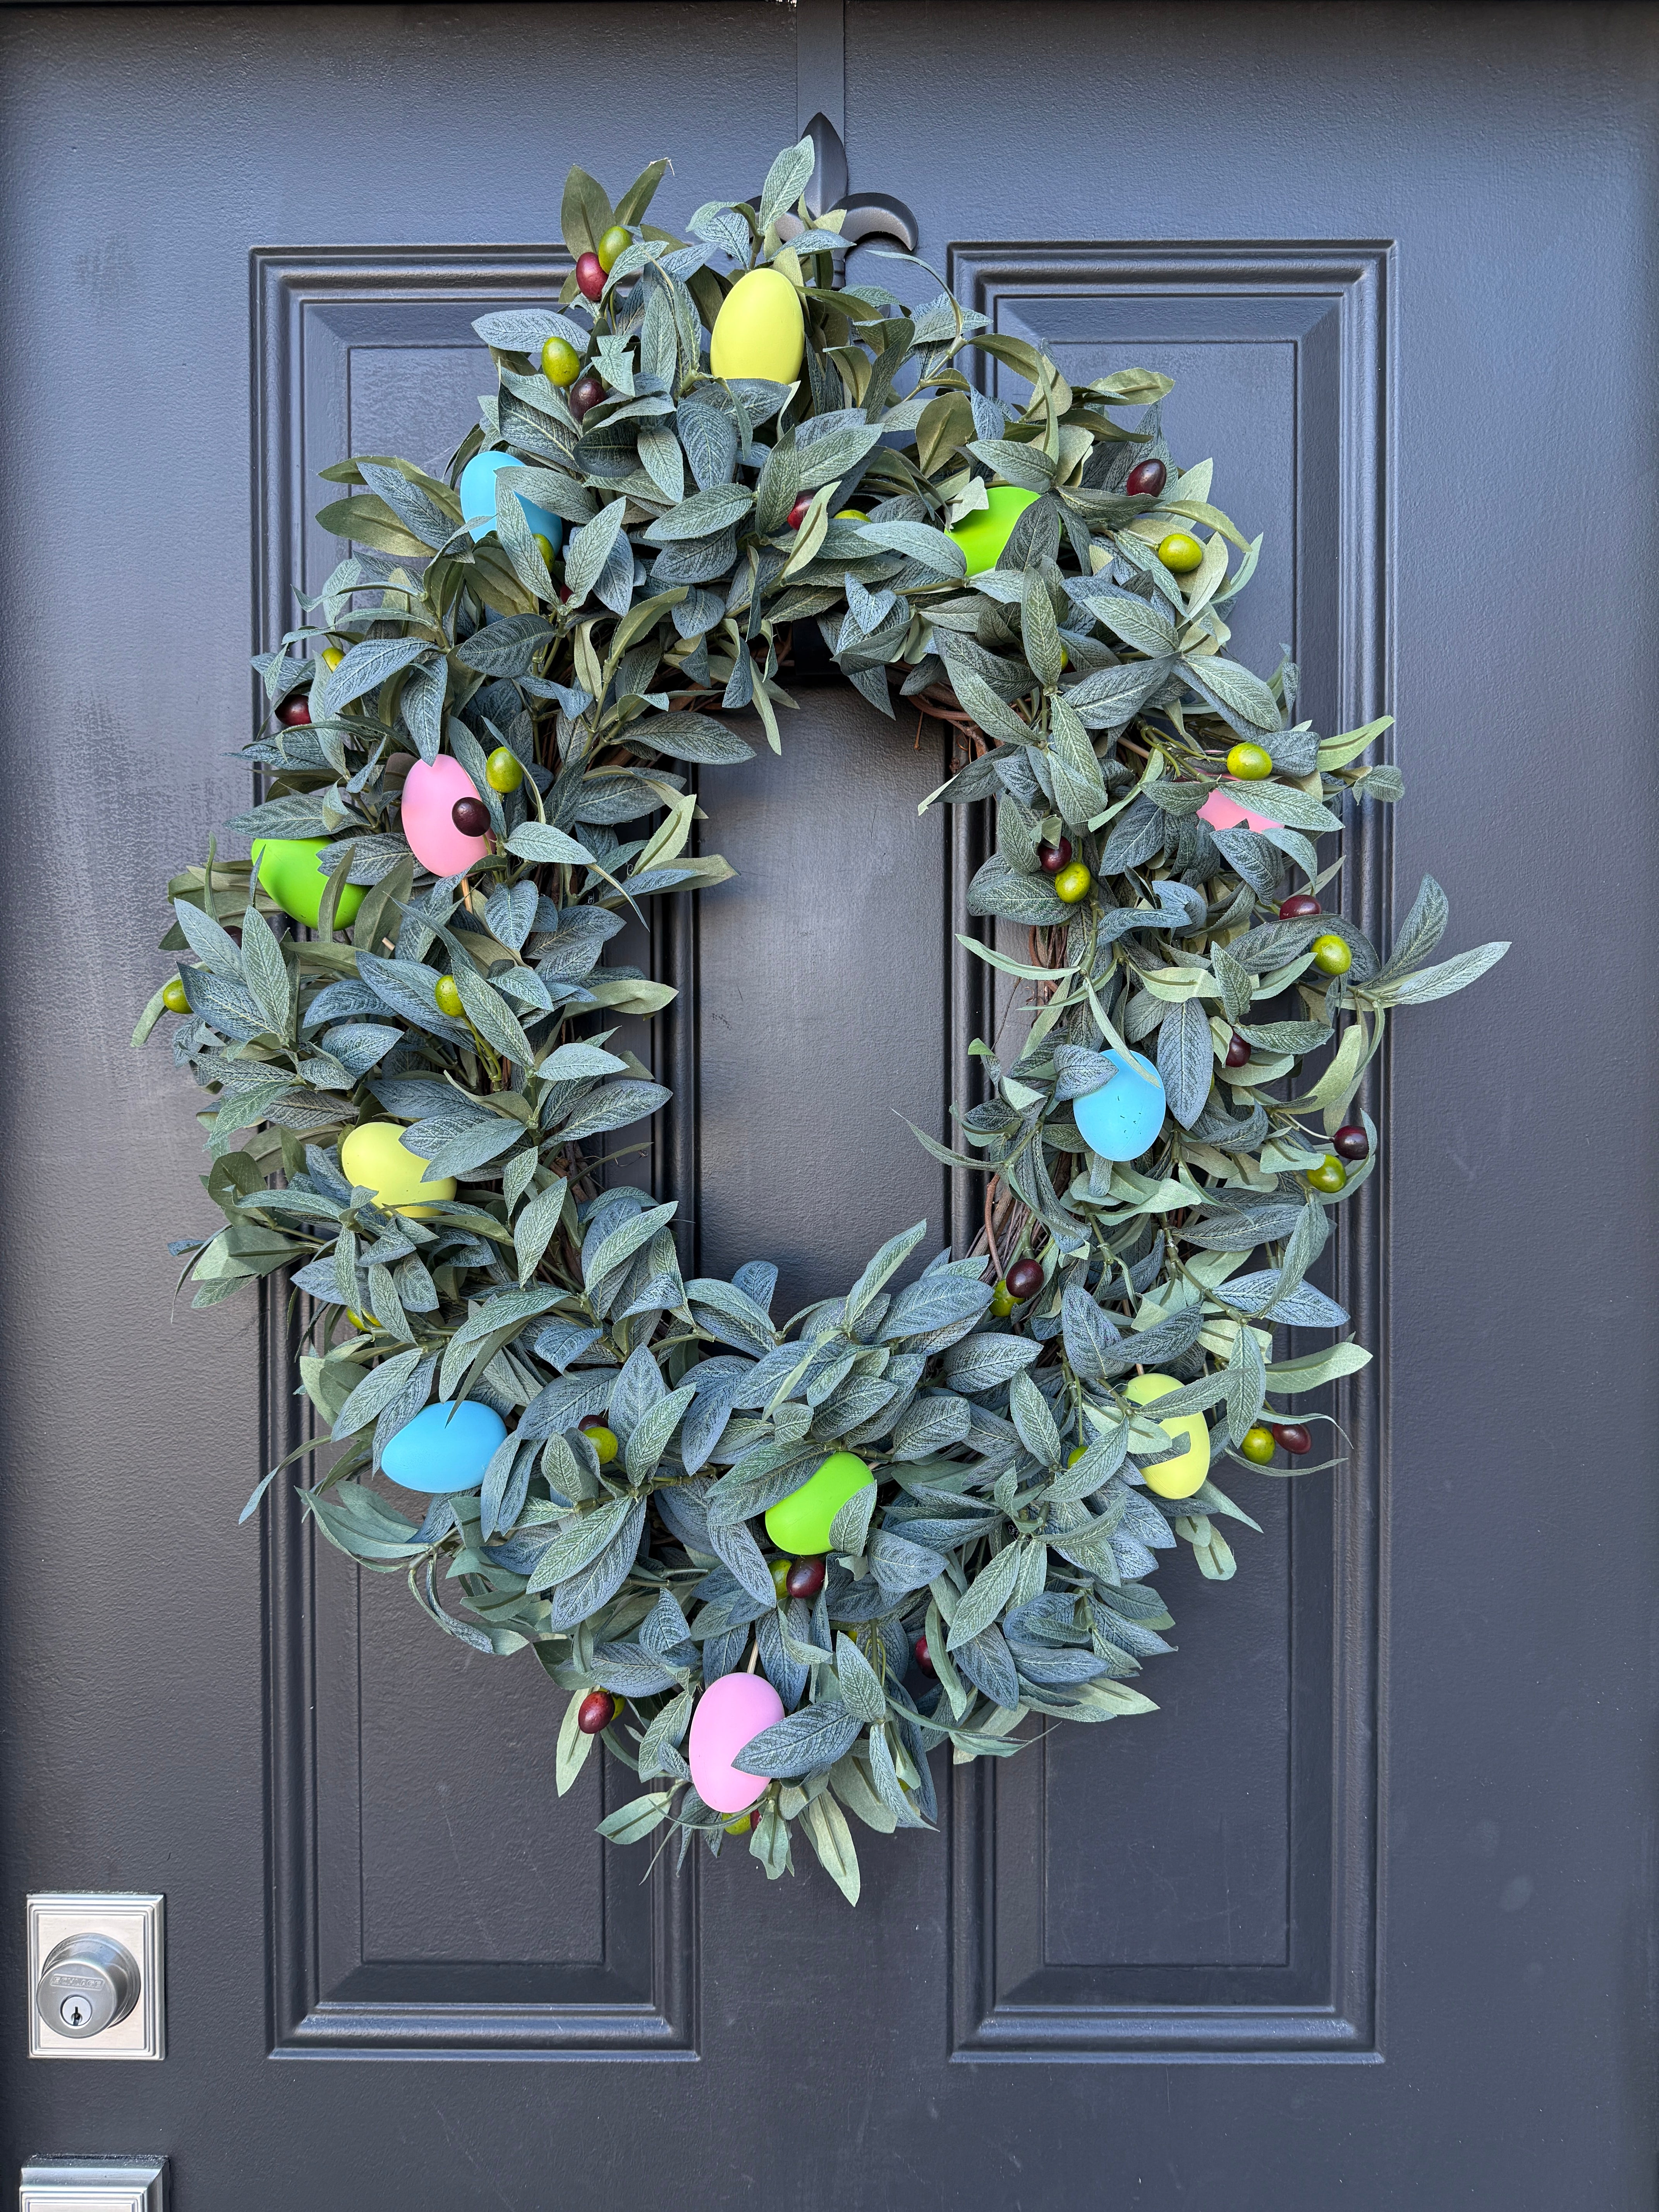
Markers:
(94, 2184)
(134, 1922)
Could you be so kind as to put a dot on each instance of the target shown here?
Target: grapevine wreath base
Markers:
(774, 1563)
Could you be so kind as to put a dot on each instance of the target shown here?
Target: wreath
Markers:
(777, 1563)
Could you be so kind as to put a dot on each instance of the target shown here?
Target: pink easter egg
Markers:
(430, 790)
(730, 1714)
(1223, 812)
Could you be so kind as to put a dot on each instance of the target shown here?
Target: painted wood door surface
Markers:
(1361, 1916)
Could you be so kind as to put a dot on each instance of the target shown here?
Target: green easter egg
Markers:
(290, 874)
(983, 534)
(801, 1522)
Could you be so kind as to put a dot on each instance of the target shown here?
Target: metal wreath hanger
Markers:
(867, 214)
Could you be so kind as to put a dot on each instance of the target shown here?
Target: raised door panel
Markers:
(433, 1892)
(1203, 1880)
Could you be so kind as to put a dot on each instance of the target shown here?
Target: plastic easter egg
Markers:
(1173, 1478)
(1222, 811)
(446, 1447)
(983, 534)
(1121, 1119)
(373, 1157)
(729, 1713)
(290, 874)
(477, 490)
(759, 331)
(430, 790)
(801, 1522)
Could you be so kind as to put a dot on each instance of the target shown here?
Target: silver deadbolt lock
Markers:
(87, 1983)
(96, 1964)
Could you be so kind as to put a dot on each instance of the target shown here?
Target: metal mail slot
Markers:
(94, 2184)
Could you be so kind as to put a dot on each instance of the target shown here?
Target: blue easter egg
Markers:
(1121, 1118)
(477, 490)
(446, 1447)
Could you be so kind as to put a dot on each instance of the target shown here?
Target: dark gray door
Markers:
(1361, 1916)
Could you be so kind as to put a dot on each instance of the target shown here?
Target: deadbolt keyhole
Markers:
(87, 1984)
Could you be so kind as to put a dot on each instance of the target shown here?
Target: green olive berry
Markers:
(615, 243)
(504, 768)
(545, 547)
(174, 997)
(1002, 1302)
(1180, 552)
(1329, 1175)
(1072, 884)
(1075, 1454)
(332, 656)
(561, 362)
(447, 992)
(739, 1825)
(604, 1440)
(1249, 763)
(1332, 956)
(1258, 1445)
(781, 1577)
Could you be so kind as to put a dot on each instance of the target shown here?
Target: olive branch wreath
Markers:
(777, 1566)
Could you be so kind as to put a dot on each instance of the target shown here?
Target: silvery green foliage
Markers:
(1012, 1525)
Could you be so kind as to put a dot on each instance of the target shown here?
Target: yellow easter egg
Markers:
(759, 330)
(374, 1158)
(1173, 1478)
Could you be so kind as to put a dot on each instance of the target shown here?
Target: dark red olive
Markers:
(923, 1659)
(798, 511)
(1299, 908)
(1351, 1142)
(1237, 1051)
(596, 1712)
(586, 392)
(1024, 1279)
(805, 1579)
(1291, 1437)
(471, 817)
(590, 276)
(1146, 480)
(296, 708)
(1054, 858)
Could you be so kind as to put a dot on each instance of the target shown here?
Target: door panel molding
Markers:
(328, 1997)
(1330, 304)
